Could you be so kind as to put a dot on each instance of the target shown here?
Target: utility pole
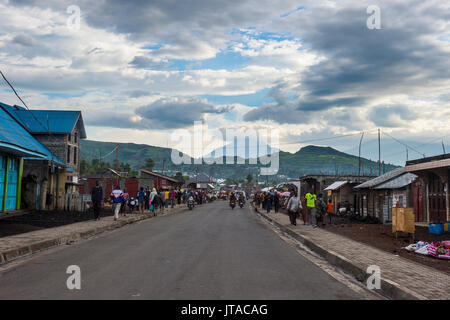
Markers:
(164, 163)
(359, 157)
(117, 162)
(443, 147)
(379, 152)
(407, 156)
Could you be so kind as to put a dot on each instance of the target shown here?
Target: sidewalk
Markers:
(401, 278)
(24, 244)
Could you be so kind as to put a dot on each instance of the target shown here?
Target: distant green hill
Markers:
(308, 160)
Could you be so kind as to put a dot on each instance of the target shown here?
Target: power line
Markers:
(404, 144)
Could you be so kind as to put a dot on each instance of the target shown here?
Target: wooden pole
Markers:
(379, 153)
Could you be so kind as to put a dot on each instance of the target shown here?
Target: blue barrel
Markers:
(436, 228)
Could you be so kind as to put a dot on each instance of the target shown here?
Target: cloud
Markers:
(178, 112)
(24, 40)
(392, 116)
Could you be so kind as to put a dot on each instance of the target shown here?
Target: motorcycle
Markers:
(190, 203)
(232, 204)
(241, 203)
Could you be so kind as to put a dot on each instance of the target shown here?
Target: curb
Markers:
(16, 253)
(389, 288)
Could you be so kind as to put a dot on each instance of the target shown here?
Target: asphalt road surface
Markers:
(212, 252)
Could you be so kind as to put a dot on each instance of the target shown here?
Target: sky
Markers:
(314, 70)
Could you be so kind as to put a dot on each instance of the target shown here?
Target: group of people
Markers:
(313, 209)
(268, 199)
(145, 200)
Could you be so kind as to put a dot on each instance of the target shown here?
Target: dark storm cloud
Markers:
(171, 113)
(401, 58)
(391, 116)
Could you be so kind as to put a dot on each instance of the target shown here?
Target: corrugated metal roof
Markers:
(399, 182)
(13, 134)
(381, 179)
(336, 185)
(35, 121)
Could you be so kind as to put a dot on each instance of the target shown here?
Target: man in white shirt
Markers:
(293, 206)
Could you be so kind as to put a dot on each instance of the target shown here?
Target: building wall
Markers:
(10, 181)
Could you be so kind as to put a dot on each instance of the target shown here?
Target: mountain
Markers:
(308, 160)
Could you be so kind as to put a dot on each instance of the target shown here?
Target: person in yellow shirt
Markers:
(310, 207)
(166, 199)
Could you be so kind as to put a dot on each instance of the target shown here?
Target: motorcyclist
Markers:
(232, 197)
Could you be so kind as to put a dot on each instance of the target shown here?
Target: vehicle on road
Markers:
(241, 203)
(232, 204)
(190, 203)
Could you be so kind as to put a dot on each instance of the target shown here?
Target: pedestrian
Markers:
(303, 211)
(117, 199)
(276, 201)
(126, 197)
(179, 196)
(310, 205)
(293, 207)
(97, 198)
(166, 199)
(153, 201)
(330, 210)
(147, 198)
(172, 197)
(321, 209)
(141, 199)
(268, 202)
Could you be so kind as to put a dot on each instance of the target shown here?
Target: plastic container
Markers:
(436, 228)
(447, 227)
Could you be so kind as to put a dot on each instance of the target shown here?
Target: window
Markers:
(74, 155)
(69, 137)
(75, 138)
(68, 154)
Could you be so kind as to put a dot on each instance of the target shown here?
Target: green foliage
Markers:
(149, 164)
(308, 160)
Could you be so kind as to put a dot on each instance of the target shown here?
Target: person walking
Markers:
(311, 206)
(293, 207)
(117, 199)
(166, 199)
(268, 202)
(276, 201)
(123, 207)
(141, 199)
(303, 211)
(330, 210)
(172, 197)
(321, 209)
(97, 198)
(146, 198)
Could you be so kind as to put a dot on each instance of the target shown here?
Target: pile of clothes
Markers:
(439, 249)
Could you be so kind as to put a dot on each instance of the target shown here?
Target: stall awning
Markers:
(336, 185)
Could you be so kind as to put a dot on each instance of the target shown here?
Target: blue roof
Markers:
(14, 139)
(35, 121)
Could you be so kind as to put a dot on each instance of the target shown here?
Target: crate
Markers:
(436, 228)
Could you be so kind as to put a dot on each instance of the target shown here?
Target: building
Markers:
(435, 173)
(316, 184)
(340, 192)
(156, 180)
(60, 131)
(17, 146)
(200, 181)
(397, 188)
(48, 182)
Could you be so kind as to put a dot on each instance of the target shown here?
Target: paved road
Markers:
(211, 252)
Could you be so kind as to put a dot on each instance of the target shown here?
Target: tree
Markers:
(149, 164)
(178, 176)
(249, 178)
